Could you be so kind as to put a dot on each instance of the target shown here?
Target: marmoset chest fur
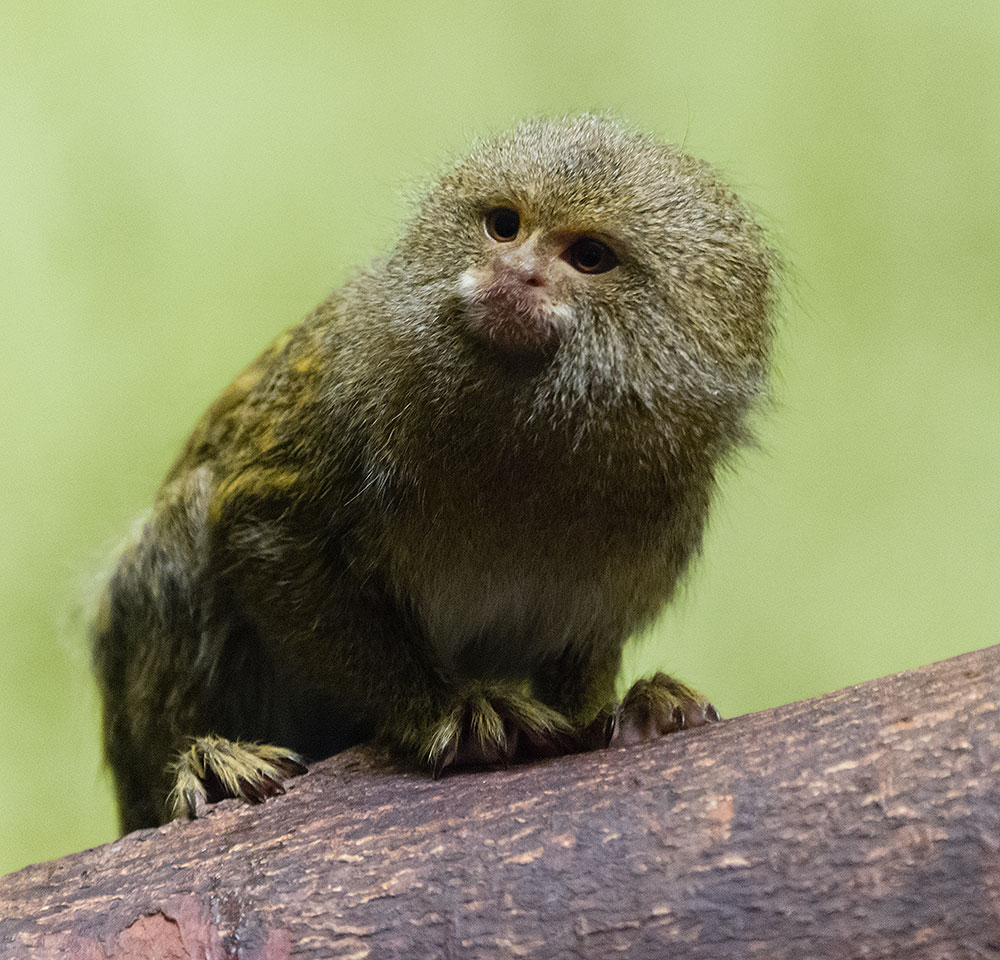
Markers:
(434, 512)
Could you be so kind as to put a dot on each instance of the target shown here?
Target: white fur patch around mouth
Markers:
(476, 289)
(510, 318)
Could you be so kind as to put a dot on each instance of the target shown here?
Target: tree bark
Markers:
(864, 823)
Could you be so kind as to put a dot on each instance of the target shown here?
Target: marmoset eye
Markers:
(590, 256)
(502, 224)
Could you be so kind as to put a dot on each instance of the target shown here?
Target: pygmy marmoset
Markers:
(433, 512)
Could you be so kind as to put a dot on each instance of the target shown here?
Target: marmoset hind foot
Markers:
(213, 769)
(656, 706)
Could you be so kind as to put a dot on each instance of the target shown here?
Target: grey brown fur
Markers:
(434, 511)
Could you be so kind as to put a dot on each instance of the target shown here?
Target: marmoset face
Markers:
(519, 296)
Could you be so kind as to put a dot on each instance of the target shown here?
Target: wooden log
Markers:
(864, 823)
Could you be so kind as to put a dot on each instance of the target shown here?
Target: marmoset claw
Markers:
(213, 768)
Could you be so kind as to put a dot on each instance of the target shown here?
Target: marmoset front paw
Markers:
(495, 724)
(657, 706)
(213, 768)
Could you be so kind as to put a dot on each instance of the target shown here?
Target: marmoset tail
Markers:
(433, 512)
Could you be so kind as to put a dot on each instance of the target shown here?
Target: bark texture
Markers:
(865, 823)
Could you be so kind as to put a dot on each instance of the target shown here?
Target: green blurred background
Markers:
(180, 181)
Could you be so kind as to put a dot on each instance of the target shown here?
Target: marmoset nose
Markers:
(525, 264)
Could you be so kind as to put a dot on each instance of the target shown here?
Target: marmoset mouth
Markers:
(511, 315)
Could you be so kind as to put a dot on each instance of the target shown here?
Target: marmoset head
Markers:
(581, 229)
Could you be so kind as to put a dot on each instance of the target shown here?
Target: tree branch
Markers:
(865, 823)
